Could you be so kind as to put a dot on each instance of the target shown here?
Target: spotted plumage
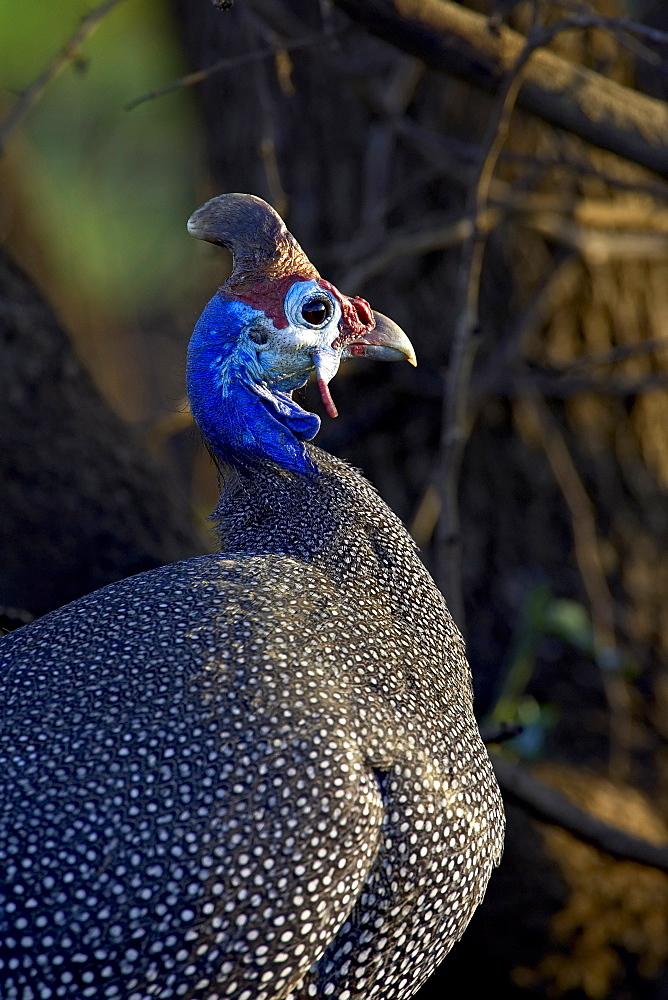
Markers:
(254, 775)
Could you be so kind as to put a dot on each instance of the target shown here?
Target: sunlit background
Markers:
(94, 198)
(93, 203)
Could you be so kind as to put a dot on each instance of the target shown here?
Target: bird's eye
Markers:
(316, 311)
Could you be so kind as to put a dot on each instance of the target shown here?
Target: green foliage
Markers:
(107, 190)
(569, 622)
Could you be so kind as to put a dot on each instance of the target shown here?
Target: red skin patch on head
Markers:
(267, 295)
(356, 315)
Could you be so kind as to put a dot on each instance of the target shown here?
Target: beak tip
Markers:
(385, 342)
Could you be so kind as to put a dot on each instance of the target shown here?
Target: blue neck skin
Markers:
(246, 413)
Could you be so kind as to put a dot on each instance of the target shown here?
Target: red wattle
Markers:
(326, 398)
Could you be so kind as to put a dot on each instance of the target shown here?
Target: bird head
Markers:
(272, 324)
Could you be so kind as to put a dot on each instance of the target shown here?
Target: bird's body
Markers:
(250, 775)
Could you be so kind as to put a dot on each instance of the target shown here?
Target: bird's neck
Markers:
(334, 521)
(246, 418)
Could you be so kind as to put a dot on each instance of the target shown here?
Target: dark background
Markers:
(373, 158)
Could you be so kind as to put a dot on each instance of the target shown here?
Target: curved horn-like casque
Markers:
(256, 236)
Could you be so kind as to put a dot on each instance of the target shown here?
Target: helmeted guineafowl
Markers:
(251, 775)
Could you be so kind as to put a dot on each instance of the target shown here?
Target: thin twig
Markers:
(515, 382)
(583, 518)
(453, 157)
(632, 215)
(550, 806)
(454, 428)
(456, 40)
(192, 79)
(587, 18)
(415, 244)
(267, 117)
(364, 257)
(231, 62)
(615, 355)
(597, 244)
(505, 358)
(29, 97)
(573, 166)
(623, 30)
(590, 565)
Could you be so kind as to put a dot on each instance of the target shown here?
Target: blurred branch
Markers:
(616, 355)
(266, 97)
(628, 228)
(231, 62)
(522, 378)
(392, 96)
(506, 373)
(572, 165)
(455, 418)
(512, 381)
(582, 17)
(626, 214)
(598, 244)
(590, 565)
(415, 244)
(499, 732)
(626, 31)
(498, 374)
(70, 52)
(598, 228)
(453, 158)
(582, 513)
(455, 40)
(279, 17)
(549, 806)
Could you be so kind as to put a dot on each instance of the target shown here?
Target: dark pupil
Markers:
(315, 312)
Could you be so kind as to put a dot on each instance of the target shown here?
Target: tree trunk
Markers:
(82, 503)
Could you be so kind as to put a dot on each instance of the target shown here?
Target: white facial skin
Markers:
(313, 315)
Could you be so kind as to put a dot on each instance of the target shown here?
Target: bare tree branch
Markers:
(453, 158)
(631, 34)
(521, 379)
(615, 355)
(582, 17)
(69, 53)
(598, 244)
(590, 565)
(659, 190)
(455, 418)
(229, 62)
(504, 365)
(550, 806)
(455, 40)
(400, 244)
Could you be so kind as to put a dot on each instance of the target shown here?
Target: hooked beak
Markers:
(386, 342)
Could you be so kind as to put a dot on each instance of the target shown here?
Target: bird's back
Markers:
(216, 771)
(255, 775)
